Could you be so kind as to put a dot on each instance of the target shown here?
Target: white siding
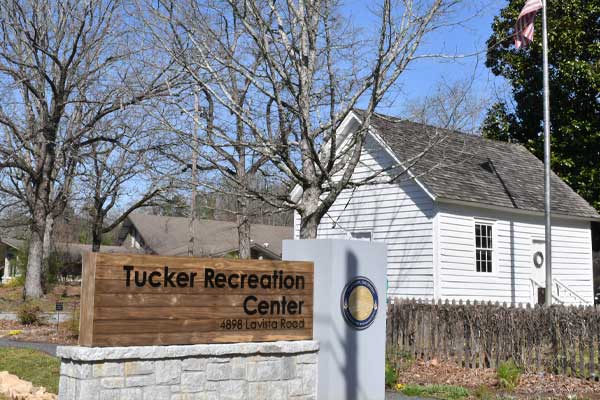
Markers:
(513, 234)
(400, 215)
(431, 246)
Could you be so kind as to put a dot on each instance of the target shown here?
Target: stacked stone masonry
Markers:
(256, 371)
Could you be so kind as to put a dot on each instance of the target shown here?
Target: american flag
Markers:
(524, 26)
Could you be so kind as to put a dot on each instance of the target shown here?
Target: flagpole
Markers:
(547, 206)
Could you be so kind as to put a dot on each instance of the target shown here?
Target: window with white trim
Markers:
(484, 249)
(361, 235)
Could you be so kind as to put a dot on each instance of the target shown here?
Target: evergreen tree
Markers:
(574, 50)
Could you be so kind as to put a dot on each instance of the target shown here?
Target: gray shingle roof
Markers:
(169, 235)
(464, 167)
(16, 244)
(72, 252)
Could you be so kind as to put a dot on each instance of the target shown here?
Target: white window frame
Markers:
(350, 235)
(493, 249)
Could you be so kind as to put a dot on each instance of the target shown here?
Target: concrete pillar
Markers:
(7, 270)
(352, 351)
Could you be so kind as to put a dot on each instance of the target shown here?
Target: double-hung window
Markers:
(484, 249)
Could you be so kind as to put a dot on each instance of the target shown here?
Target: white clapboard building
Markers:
(466, 221)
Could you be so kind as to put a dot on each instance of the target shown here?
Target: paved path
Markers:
(51, 318)
(48, 348)
(8, 316)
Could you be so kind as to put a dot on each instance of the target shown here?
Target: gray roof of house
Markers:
(71, 250)
(75, 250)
(169, 235)
(463, 167)
(16, 244)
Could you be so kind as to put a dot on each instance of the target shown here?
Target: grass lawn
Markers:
(31, 365)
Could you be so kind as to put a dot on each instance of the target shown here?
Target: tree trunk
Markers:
(310, 216)
(309, 226)
(33, 277)
(47, 245)
(46, 251)
(243, 229)
(192, 218)
(191, 222)
(97, 236)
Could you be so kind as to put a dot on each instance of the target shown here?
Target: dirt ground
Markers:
(66, 333)
(47, 333)
(531, 386)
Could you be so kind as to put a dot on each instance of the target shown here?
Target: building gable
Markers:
(460, 167)
(400, 214)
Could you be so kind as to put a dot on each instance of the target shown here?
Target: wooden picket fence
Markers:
(558, 339)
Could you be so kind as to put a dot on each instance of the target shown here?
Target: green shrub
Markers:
(52, 268)
(406, 356)
(390, 375)
(509, 375)
(16, 282)
(447, 392)
(30, 313)
(483, 393)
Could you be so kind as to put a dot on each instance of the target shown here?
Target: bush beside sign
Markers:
(138, 300)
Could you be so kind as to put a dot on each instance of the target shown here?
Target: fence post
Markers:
(593, 320)
(481, 335)
(460, 334)
(412, 324)
(469, 335)
(582, 333)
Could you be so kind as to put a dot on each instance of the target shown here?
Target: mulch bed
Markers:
(11, 300)
(530, 386)
(38, 333)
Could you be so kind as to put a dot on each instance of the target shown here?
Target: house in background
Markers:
(152, 234)
(169, 236)
(466, 220)
(69, 255)
(9, 249)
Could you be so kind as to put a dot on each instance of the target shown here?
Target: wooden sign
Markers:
(138, 300)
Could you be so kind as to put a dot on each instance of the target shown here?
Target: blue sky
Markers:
(468, 38)
(423, 76)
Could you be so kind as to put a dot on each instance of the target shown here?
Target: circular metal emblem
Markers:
(359, 302)
(538, 259)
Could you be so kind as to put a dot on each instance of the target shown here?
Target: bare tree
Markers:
(453, 105)
(258, 211)
(64, 67)
(121, 170)
(224, 145)
(303, 68)
(13, 216)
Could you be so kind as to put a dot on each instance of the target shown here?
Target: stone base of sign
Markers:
(270, 370)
